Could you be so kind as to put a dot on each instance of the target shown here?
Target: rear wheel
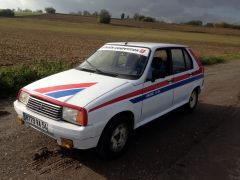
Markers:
(114, 139)
(193, 101)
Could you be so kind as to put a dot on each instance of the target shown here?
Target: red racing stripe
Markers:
(144, 90)
(132, 94)
(62, 87)
(180, 78)
(53, 101)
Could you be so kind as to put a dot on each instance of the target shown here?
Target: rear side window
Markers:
(188, 60)
(181, 61)
(178, 61)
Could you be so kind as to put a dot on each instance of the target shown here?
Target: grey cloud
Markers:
(174, 10)
(211, 3)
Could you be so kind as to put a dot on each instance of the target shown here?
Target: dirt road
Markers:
(201, 145)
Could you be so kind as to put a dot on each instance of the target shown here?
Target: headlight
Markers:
(23, 97)
(75, 116)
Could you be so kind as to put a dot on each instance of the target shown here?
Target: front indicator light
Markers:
(82, 118)
(66, 143)
(20, 121)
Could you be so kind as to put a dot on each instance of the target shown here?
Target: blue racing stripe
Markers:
(164, 89)
(63, 93)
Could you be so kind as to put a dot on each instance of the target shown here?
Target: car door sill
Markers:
(143, 122)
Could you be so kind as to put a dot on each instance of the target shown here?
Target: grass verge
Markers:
(211, 60)
(14, 78)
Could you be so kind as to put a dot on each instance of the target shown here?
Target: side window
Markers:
(178, 62)
(160, 64)
(161, 54)
(188, 60)
(160, 61)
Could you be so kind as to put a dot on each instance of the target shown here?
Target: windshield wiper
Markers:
(94, 67)
(100, 71)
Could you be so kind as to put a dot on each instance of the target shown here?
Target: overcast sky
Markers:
(168, 10)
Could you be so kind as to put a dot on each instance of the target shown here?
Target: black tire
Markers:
(193, 101)
(105, 147)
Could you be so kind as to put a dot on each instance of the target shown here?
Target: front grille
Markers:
(44, 108)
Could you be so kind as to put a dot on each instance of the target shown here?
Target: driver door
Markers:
(158, 97)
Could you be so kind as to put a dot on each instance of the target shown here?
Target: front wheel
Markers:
(193, 101)
(114, 139)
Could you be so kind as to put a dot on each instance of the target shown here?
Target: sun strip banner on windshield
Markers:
(129, 49)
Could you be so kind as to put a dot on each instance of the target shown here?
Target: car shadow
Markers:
(158, 145)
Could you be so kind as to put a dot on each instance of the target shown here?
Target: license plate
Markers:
(37, 123)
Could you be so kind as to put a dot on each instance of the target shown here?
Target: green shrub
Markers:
(7, 13)
(139, 17)
(104, 16)
(12, 79)
(195, 23)
(210, 25)
(50, 10)
(148, 19)
(95, 14)
(211, 60)
(86, 13)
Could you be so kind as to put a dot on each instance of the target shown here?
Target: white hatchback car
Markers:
(118, 89)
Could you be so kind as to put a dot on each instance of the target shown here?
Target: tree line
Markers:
(219, 24)
(105, 17)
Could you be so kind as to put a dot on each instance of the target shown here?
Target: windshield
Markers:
(117, 61)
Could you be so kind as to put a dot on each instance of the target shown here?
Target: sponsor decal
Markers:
(142, 51)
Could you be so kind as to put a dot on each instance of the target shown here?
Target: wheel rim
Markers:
(119, 137)
(193, 99)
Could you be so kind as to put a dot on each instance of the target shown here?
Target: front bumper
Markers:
(82, 137)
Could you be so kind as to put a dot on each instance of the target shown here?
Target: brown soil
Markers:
(138, 24)
(23, 45)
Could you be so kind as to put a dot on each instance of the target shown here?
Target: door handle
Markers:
(170, 81)
(190, 74)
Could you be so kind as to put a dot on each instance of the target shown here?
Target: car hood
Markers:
(75, 87)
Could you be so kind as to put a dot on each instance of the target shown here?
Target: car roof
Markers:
(150, 45)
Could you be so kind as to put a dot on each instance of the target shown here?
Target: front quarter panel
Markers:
(102, 110)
